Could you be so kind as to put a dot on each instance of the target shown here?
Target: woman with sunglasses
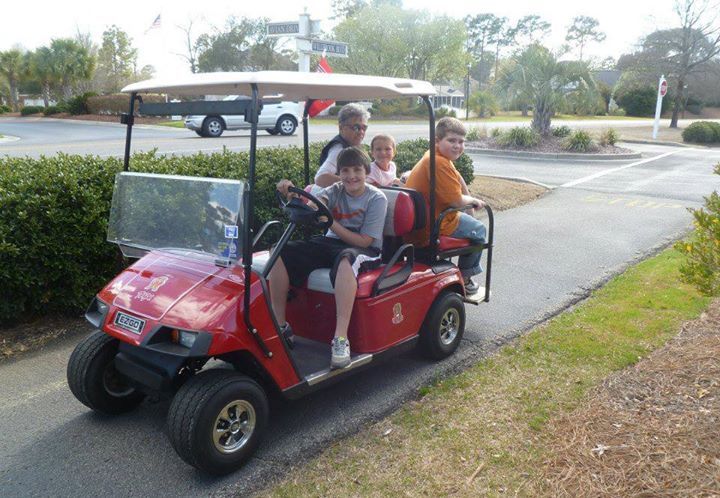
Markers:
(352, 124)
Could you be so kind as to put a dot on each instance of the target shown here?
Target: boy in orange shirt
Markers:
(450, 192)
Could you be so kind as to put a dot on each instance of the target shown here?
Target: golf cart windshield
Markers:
(196, 217)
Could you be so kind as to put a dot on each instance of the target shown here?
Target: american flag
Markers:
(319, 105)
(155, 24)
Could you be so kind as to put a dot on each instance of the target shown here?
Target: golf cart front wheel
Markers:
(443, 327)
(217, 419)
(93, 379)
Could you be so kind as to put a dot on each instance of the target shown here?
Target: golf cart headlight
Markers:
(184, 338)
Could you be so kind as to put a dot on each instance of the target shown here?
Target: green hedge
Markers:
(54, 211)
(29, 110)
(702, 132)
(116, 103)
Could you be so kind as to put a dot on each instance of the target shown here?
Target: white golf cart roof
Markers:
(291, 85)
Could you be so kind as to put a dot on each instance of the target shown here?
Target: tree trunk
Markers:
(542, 114)
(46, 94)
(677, 103)
(14, 95)
(524, 110)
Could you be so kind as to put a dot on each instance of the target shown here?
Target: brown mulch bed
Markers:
(551, 145)
(650, 430)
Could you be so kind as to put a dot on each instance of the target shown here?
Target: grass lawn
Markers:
(173, 124)
(484, 432)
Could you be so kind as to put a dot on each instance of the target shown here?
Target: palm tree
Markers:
(12, 66)
(72, 62)
(536, 76)
(43, 70)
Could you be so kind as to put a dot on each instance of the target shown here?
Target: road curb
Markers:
(553, 155)
(655, 142)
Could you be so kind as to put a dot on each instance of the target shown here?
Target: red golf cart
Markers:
(192, 316)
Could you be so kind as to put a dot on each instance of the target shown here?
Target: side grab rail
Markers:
(385, 281)
(435, 234)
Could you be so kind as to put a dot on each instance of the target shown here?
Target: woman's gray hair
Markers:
(350, 111)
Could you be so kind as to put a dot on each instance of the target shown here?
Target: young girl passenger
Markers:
(383, 172)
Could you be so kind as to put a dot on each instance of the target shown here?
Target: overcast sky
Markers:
(623, 21)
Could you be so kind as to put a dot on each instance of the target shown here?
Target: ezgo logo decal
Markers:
(397, 313)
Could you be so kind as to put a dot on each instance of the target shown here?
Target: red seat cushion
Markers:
(447, 243)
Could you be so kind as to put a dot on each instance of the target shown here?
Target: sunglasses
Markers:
(357, 128)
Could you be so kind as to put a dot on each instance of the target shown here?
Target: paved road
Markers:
(48, 136)
(600, 218)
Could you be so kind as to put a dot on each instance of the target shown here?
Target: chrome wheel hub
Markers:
(234, 426)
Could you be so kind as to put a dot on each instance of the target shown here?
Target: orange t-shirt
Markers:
(448, 190)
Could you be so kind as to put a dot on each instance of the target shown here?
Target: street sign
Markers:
(283, 28)
(663, 88)
(330, 48)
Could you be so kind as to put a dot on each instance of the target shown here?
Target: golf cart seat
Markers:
(397, 258)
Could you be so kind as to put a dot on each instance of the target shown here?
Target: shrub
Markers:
(640, 101)
(334, 110)
(702, 132)
(618, 112)
(444, 112)
(579, 141)
(519, 136)
(476, 133)
(4, 109)
(702, 252)
(31, 109)
(79, 104)
(496, 132)
(560, 131)
(50, 110)
(484, 104)
(608, 137)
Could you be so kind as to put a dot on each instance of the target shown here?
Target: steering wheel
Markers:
(302, 214)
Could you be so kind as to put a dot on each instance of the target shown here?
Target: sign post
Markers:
(303, 31)
(662, 90)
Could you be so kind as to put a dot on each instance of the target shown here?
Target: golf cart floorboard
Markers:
(313, 360)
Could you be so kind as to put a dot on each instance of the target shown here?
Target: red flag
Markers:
(319, 105)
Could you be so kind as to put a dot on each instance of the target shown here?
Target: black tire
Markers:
(197, 411)
(272, 131)
(286, 125)
(93, 379)
(200, 133)
(213, 127)
(443, 327)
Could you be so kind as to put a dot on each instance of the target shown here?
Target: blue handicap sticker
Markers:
(231, 231)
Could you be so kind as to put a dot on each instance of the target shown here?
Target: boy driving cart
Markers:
(354, 238)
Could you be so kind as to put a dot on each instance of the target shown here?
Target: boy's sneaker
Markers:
(340, 352)
(471, 287)
(287, 334)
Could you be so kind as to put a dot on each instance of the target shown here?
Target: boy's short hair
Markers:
(352, 156)
(382, 136)
(449, 125)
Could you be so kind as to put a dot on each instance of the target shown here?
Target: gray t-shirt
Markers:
(364, 214)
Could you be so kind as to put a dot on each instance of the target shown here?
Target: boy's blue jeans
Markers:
(474, 230)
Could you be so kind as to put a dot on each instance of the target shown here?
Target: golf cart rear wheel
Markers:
(217, 419)
(443, 327)
(93, 379)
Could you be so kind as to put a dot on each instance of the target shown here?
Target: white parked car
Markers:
(276, 117)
